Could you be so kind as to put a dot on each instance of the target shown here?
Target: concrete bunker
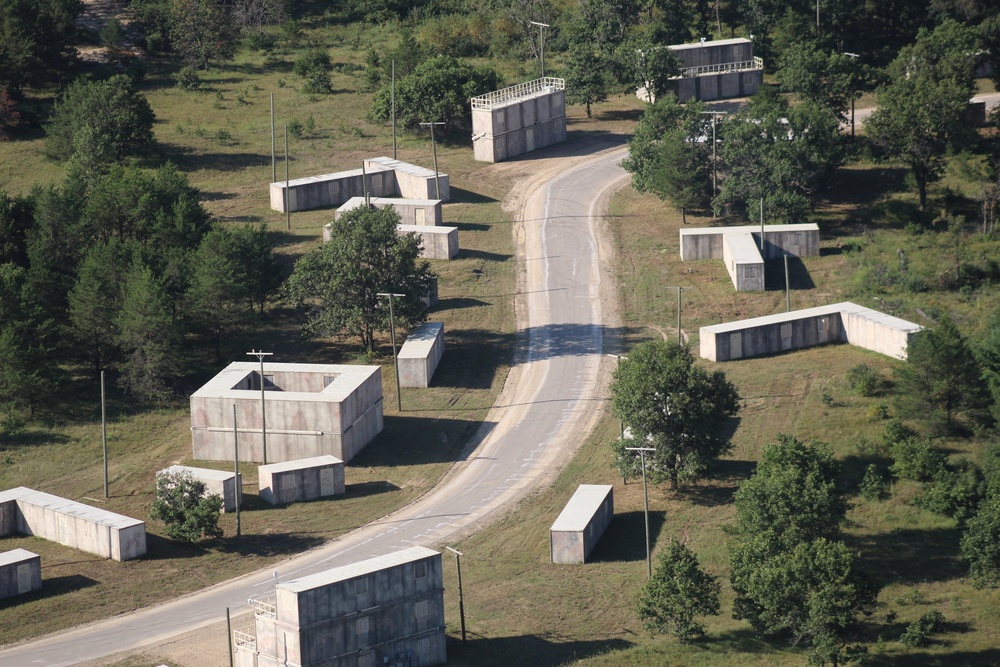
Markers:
(301, 480)
(519, 119)
(436, 242)
(837, 323)
(311, 410)
(581, 524)
(419, 356)
(222, 483)
(20, 572)
(387, 610)
(717, 70)
(73, 524)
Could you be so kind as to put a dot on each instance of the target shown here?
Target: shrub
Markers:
(878, 412)
(188, 79)
(864, 380)
(181, 503)
(315, 59)
(954, 492)
(917, 634)
(916, 459)
(295, 128)
(872, 485)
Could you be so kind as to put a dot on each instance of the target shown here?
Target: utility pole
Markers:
(392, 336)
(104, 436)
(274, 173)
(817, 18)
(541, 47)
(393, 96)
(619, 357)
(645, 503)
(229, 637)
(788, 288)
(854, 58)
(263, 421)
(762, 225)
(288, 210)
(237, 484)
(715, 155)
(680, 339)
(461, 600)
(437, 175)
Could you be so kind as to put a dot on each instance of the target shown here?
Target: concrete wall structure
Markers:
(519, 119)
(20, 572)
(581, 523)
(435, 242)
(387, 610)
(739, 248)
(412, 181)
(73, 524)
(717, 70)
(220, 482)
(304, 479)
(840, 322)
(312, 410)
(411, 211)
(419, 356)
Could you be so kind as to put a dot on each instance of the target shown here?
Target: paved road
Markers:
(549, 401)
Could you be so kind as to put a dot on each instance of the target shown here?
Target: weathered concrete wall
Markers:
(305, 479)
(581, 524)
(332, 189)
(376, 612)
(220, 482)
(842, 322)
(714, 52)
(76, 525)
(419, 356)
(422, 212)
(413, 181)
(743, 262)
(20, 572)
(435, 242)
(718, 85)
(519, 126)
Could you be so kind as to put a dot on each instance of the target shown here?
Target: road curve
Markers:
(546, 408)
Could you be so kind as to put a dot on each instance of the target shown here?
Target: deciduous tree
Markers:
(981, 545)
(678, 592)
(181, 502)
(586, 77)
(202, 31)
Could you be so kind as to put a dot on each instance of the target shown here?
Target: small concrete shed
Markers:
(422, 212)
(582, 523)
(304, 479)
(435, 242)
(220, 482)
(20, 572)
(420, 354)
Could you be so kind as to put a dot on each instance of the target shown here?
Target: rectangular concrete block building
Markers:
(519, 119)
(333, 189)
(387, 610)
(435, 242)
(20, 572)
(311, 410)
(837, 323)
(422, 212)
(717, 70)
(301, 480)
(581, 523)
(220, 482)
(413, 181)
(419, 356)
(72, 524)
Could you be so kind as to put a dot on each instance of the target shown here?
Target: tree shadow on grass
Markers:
(911, 555)
(362, 489)
(740, 640)
(187, 159)
(625, 538)
(989, 656)
(159, 547)
(456, 303)
(726, 476)
(51, 587)
(539, 649)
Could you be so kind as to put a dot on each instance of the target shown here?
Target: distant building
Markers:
(717, 70)
(387, 610)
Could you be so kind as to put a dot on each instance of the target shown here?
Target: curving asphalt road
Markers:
(546, 407)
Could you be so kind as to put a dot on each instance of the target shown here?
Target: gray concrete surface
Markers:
(20, 572)
(222, 483)
(419, 356)
(304, 479)
(519, 119)
(582, 522)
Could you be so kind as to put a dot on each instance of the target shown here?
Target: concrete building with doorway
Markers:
(310, 410)
(387, 610)
(581, 524)
(519, 119)
(717, 70)
(837, 323)
(20, 572)
(300, 480)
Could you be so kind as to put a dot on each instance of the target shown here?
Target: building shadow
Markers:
(51, 587)
(444, 441)
(462, 196)
(362, 489)
(798, 275)
(625, 538)
(272, 544)
(538, 649)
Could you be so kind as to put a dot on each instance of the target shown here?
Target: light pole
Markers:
(645, 502)
(263, 420)
(461, 600)
(437, 176)
(715, 157)
(541, 47)
(392, 336)
(854, 58)
(680, 338)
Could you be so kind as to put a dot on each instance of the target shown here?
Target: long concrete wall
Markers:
(520, 125)
(20, 572)
(219, 482)
(841, 322)
(332, 189)
(419, 356)
(581, 524)
(301, 480)
(714, 52)
(718, 85)
(414, 181)
(423, 212)
(72, 524)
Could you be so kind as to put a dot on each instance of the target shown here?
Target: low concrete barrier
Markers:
(419, 356)
(435, 242)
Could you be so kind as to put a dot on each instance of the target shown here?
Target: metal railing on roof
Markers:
(742, 66)
(244, 640)
(263, 606)
(527, 89)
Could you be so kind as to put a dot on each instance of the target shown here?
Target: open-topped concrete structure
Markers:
(837, 323)
(311, 410)
(519, 119)
(90, 529)
(740, 248)
(717, 70)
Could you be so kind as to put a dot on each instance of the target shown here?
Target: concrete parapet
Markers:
(300, 480)
(312, 410)
(413, 181)
(841, 322)
(74, 524)
(419, 356)
(435, 242)
(220, 482)
(20, 572)
(581, 524)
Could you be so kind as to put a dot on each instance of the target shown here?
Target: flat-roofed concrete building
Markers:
(419, 356)
(413, 181)
(717, 70)
(519, 119)
(411, 211)
(73, 524)
(740, 248)
(312, 410)
(20, 572)
(837, 323)
(435, 242)
(387, 610)
(300, 480)
(581, 524)
(223, 483)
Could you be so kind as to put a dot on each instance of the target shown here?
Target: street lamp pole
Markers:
(392, 336)
(461, 600)
(619, 357)
(541, 47)
(680, 338)
(437, 175)
(263, 419)
(645, 503)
